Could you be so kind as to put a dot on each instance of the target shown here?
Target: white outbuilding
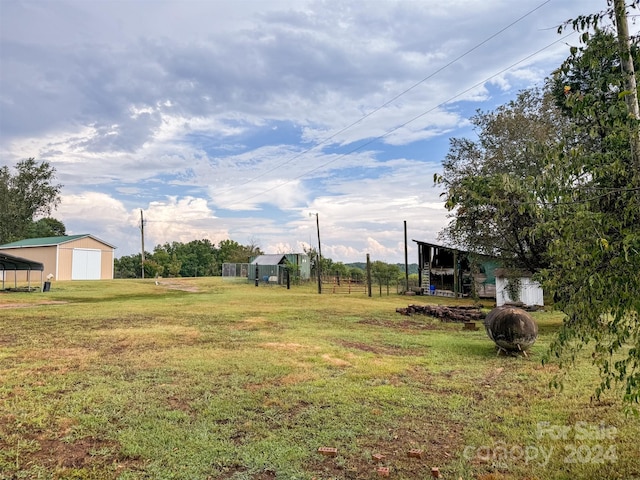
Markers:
(518, 288)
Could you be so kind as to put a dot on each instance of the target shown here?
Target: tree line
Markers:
(201, 258)
(198, 258)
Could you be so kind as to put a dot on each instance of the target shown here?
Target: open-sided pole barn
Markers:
(9, 263)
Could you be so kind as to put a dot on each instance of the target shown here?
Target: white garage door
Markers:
(86, 264)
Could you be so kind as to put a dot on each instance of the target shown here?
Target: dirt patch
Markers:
(48, 450)
(492, 377)
(294, 347)
(56, 361)
(335, 361)
(256, 320)
(400, 324)
(380, 349)
(37, 304)
(437, 445)
(135, 339)
(237, 470)
(177, 403)
(84, 453)
(8, 339)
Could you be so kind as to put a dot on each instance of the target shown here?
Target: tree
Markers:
(384, 273)
(490, 183)
(293, 270)
(127, 266)
(196, 258)
(46, 227)
(595, 252)
(28, 194)
(564, 201)
(356, 274)
(230, 251)
(340, 269)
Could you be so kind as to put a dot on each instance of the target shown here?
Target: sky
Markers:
(245, 119)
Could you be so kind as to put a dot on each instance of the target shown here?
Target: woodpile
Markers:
(461, 313)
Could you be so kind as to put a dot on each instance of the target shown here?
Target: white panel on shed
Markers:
(530, 292)
(86, 264)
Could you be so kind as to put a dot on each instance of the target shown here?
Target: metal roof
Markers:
(269, 259)
(453, 249)
(9, 262)
(49, 241)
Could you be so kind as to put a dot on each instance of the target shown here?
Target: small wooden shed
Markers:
(68, 257)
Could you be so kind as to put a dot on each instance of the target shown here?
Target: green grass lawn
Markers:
(206, 379)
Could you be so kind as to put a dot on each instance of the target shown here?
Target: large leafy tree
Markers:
(230, 251)
(24, 196)
(384, 274)
(46, 227)
(196, 258)
(490, 183)
(595, 253)
(564, 200)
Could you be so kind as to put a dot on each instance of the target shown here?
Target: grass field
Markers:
(205, 379)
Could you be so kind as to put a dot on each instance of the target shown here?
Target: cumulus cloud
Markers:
(262, 110)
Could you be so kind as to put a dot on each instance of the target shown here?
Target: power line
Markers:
(389, 132)
(389, 102)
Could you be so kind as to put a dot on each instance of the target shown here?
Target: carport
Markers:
(9, 263)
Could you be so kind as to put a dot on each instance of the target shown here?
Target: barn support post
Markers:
(456, 274)
(430, 256)
(420, 265)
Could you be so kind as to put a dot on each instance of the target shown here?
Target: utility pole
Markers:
(406, 259)
(628, 72)
(319, 268)
(142, 236)
(368, 275)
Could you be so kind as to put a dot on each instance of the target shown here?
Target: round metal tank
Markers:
(511, 328)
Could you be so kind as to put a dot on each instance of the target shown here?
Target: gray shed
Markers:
(272, 266)
(264, 267)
